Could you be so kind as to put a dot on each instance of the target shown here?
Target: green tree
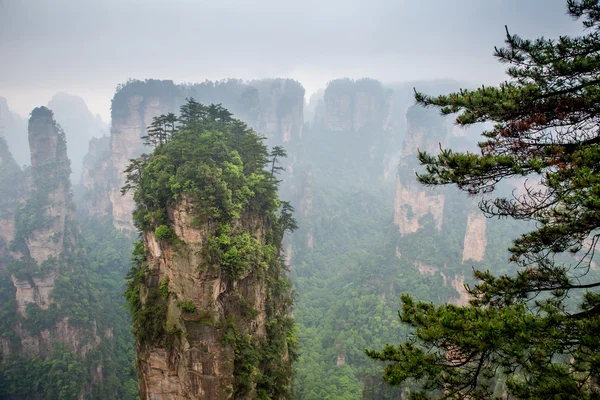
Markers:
(277, 152)
(161, 130)
(533, 334)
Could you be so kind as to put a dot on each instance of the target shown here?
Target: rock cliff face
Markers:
(208, 293)
(50, 167)
(206, 315)
(425, 130)
(197, 365)
(281, 104)
(412, 203)
(475, 237)
(351, 105)
(39, 249)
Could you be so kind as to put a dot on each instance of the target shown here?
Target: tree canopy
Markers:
(533, 334)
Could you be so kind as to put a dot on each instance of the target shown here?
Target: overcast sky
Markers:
(87, 47)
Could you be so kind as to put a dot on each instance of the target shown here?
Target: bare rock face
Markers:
(458, 283)
(36, 290)
(306, 202)
(281, 106)
(412, 202)
(196, 360)
(475, 237)
(351, 105)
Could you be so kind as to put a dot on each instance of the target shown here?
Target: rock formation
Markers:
(13, 188)
(281, 105)
(475, 237)
(199, 363)
(208, 295)
(51, 188)
(352, 105)
(412, 202)
(425, 131)
(39, 252)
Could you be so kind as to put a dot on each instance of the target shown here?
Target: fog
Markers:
(252, 237)
(88, 47)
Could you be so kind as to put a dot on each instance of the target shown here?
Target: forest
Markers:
(262, 238)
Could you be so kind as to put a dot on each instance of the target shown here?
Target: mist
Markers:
(232, 199)
(88, 47)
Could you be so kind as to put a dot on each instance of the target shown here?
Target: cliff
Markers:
(50, 170)
(208, 293)
(425, 131)
(45, 313)
(475, 237)
(281, 105)
(203, 307)
(353, 105)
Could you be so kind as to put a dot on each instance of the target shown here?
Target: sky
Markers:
(88, 47)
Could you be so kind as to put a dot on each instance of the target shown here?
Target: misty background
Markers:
(87, 47)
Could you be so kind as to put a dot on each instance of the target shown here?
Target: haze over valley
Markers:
(233, 200)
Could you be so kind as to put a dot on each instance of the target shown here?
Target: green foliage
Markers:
(164, 287)
(187, 306)
(237, 252)
(109, 252)
(163, 232)
(525, 335)
(215, 161)
(150, 315)
(63, 376)
(347, 289)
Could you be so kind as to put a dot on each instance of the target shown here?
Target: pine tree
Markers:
(522, 332)
(277, 152)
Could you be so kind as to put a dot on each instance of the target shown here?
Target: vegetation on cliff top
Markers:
(225, 174)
